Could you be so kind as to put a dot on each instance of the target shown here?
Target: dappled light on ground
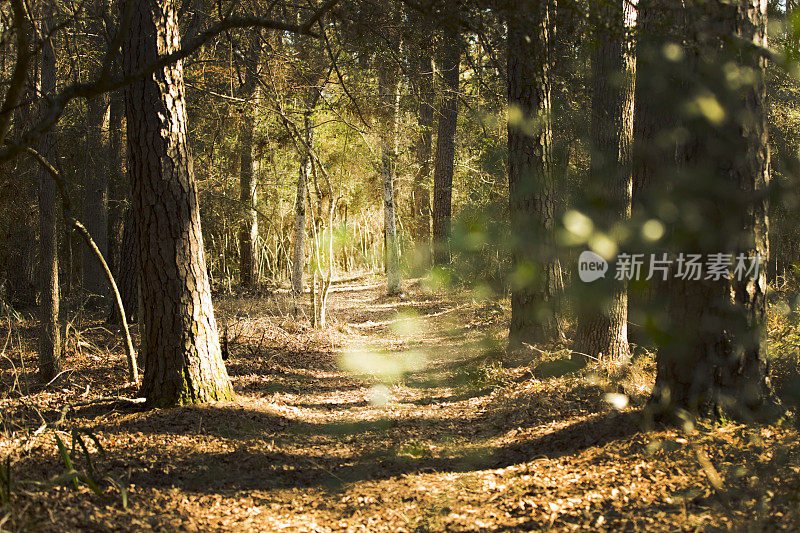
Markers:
(468, 438)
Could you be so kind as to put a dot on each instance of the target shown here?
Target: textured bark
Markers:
(388, 80)
(298, 253)
(449, 62)
(603, 316)
(248, 232)
(537, 285)
(423, 152)
(50, 330)
(713, 358)
(116, 178)
(180, 344)
(128, 272)
(96, 192)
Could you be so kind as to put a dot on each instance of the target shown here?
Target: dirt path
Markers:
(431, 429)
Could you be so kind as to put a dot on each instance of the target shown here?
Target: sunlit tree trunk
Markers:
(180, 345)
(603, 312)
(449, 62)
(50, 331)
(388, 79)
(536, 281)
(248, 232)
(424, 146)
(298, 253)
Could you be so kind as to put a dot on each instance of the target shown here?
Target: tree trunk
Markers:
(603, 312)
(116, 178)
(96, 193)
(536, 281)
(128, 272)
(50, 330)
(388, 79)
(298, 253)
(180, 344)
(450, 56)
(424, 144)
(248, 233)
(712, 360)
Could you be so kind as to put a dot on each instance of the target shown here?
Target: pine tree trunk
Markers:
(537, 284)
(128, 272)
(96, 193)
(603, 313)
(298, 253)
(449, 61)
(712, 361)
(248, 233)
(117, 179)
(424, 145)
(388, 79)
(50, 330)
(180, 344)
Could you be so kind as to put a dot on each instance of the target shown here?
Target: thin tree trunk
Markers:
(128, 273)
(50, 330)
(388, 79)
(248, 233)
(603, 312)
(180, 344)
(424, 146)
(537, 283)
(450, 56)
(298, 252)
(96, 192)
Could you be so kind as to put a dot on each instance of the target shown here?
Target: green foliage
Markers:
(90, 476)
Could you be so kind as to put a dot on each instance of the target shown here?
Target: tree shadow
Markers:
(382, 449)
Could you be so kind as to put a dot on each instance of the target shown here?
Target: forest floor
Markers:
(404, 414)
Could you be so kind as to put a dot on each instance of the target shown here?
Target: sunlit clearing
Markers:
(388, 368)
(379, 395)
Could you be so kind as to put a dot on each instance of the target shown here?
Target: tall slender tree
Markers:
(248, 232)
(180, 344)
(444, 161)
(50, 332)
(388, 100)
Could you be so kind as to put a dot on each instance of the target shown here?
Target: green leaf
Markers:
(62, 449)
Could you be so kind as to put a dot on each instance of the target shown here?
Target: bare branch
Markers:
(20, 68)
(58, 104)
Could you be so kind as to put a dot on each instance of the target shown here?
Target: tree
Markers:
(536, 281)
(603, 317)
(180, 344)
(388, 94)
(50, 329)
(449, 62)
(712, 359)
(248, 233)
(422, 78)
(96, 177)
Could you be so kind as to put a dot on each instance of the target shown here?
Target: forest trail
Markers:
(436, 430)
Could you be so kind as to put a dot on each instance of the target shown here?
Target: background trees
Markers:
(312, 131)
